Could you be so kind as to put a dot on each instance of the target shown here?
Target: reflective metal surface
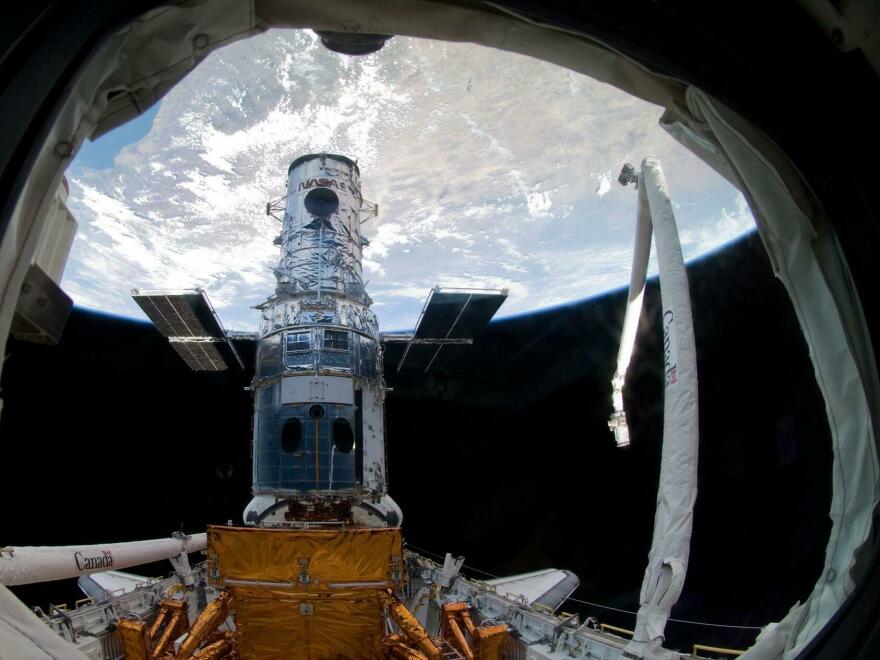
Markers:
(309, 309)
(318, 344)
(321, 242)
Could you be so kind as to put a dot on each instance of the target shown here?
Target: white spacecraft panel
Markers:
(373, 421)
(550, 587)
(115, 582)
(23, 635)
(326, 389)
(56, 238)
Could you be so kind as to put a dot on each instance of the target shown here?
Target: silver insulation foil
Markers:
(311, 310)
(322, 254)
(319, 275)
(319, 360)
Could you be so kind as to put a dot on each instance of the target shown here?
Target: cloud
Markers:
(478, 185)
(386, 236)
(724, 226)
(539, 204)
(604, 184)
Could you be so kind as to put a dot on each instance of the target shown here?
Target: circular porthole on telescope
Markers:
(321, 202)
(343, 436)
(316, 412)
(291, 434)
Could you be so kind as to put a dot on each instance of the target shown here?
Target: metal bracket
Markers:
(628, 175)
(42, 310)
(277, 206)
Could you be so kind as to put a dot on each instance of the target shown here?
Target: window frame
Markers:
(347, 335)
(298, 333)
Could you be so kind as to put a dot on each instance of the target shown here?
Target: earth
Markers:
(490, 169)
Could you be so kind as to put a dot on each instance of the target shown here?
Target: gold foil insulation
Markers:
(211, 618)
(135, 639)
(307, 594)
(412, 630)
(486, 643)
(332, 559)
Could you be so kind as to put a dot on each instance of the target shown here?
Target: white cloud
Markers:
(373, 267)
(724, 226)
(477, 186)
(539, 204)
(386, 236)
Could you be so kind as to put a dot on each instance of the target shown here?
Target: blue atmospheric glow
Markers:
(498, 319)
(609, 292)
(503, 318)
(111, 315)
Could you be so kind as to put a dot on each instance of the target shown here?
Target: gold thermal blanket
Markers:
(307, 594)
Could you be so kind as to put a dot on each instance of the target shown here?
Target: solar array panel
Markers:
(200, 356)
(180, 314)
(449, 315)
(190, 323)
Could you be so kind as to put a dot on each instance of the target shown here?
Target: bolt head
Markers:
(200, 41)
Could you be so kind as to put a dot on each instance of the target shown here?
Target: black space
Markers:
(504, 458)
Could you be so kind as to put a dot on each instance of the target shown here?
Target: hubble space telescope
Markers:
(319, 568)
(319, 391)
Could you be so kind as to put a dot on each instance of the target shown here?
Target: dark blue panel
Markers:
(316, 464)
